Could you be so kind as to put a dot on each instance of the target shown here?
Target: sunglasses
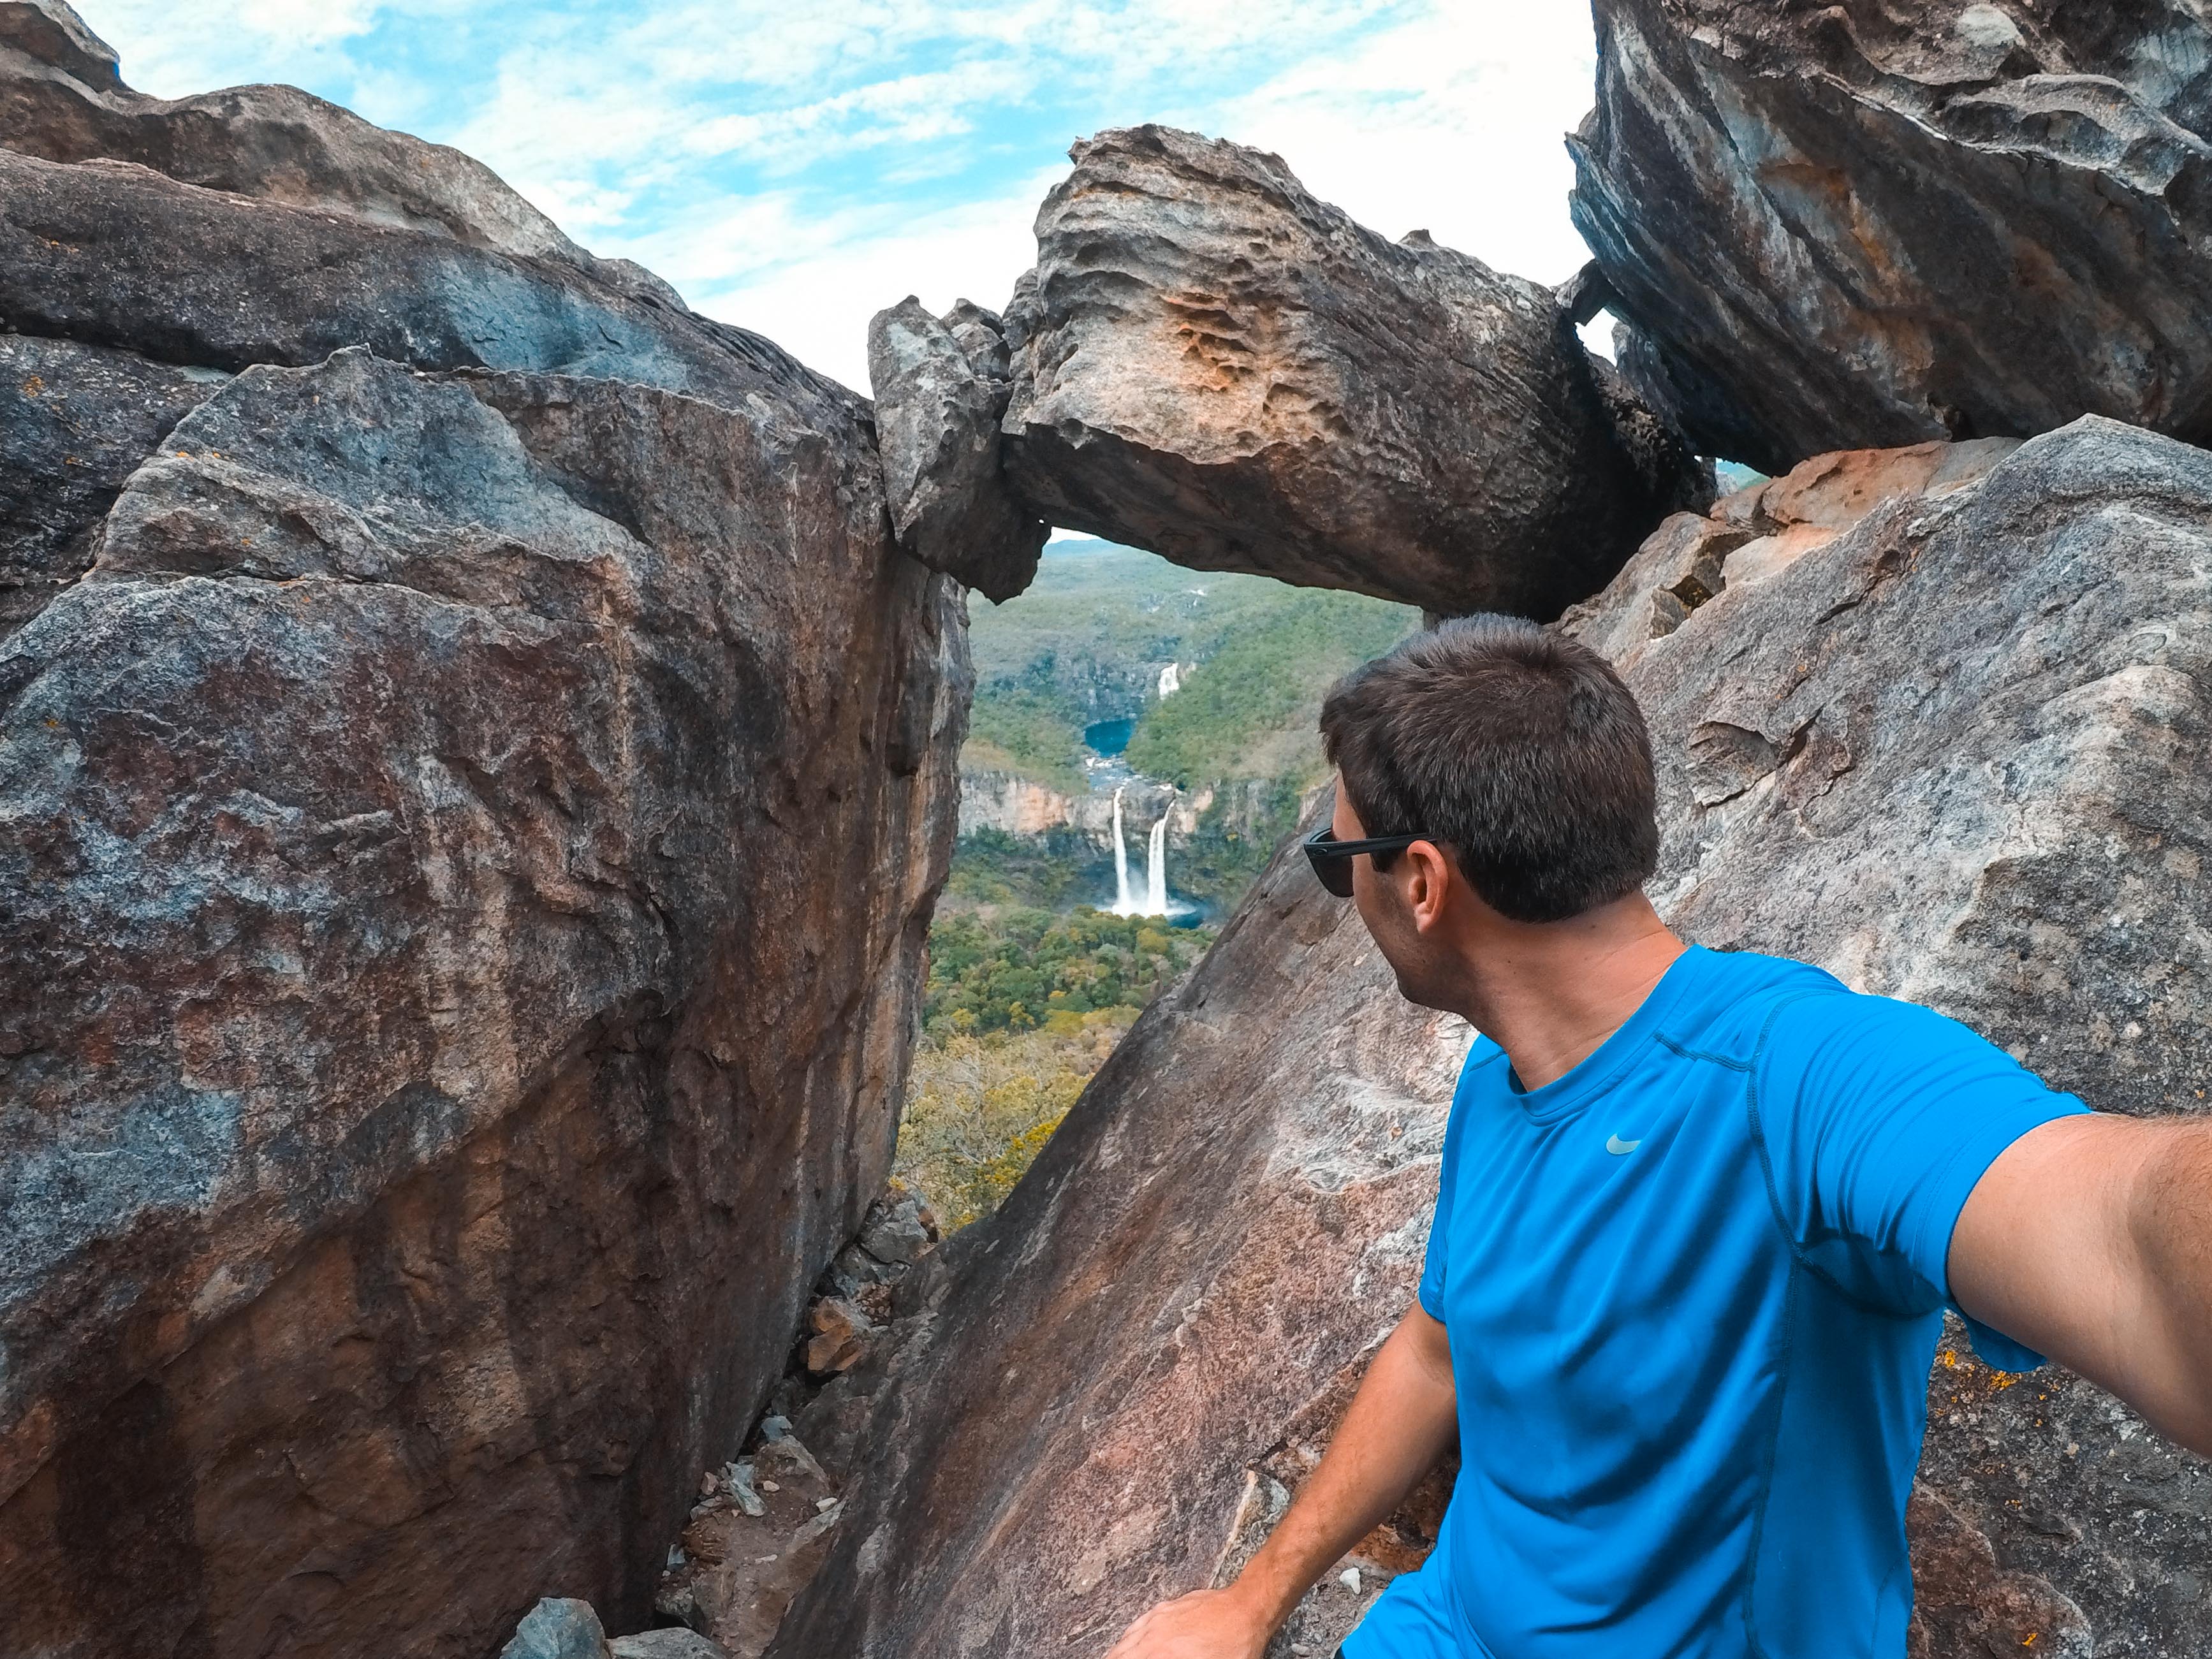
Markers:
(1332, 858)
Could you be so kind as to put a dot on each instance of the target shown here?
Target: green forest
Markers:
(1023, 1006)
(1249, 710)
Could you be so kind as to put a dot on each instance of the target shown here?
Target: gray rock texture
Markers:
(940, 391)
(674, 1644)
(558, 1627)
(74, 422)
(1866, 224)
(1953, 753)
(471, 834)
(1209, 362)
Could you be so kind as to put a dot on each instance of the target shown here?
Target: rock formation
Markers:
(1860, 224)
(940, 391)
(1209, 362)
(478, 770)
(1755, 533)
(74, 422)
(1952, 753)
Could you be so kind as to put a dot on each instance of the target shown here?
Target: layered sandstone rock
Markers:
(472, 829)
(1952, 753)
(1842, 225)
(1209, 362)
(1758, 533)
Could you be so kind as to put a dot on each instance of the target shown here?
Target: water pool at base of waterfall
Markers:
(1107, 738)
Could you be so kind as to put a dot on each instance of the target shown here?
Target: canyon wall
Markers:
(478, 771)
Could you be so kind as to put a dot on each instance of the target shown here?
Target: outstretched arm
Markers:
(2090, 1239)
(1399, 1423)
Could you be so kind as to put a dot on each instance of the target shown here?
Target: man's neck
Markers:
(1550, 993)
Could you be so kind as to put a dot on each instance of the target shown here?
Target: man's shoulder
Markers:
(1731, 999)
(1809, 1029)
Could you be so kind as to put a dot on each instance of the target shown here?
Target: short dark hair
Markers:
(1519, 749)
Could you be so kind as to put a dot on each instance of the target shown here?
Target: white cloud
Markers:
(816, 302)
(1452, 123)
(174, 50)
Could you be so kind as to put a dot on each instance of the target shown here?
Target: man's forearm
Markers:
(2171, 1228)
(1399, 1423)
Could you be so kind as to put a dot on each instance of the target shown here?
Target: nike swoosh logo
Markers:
(1619, 1147)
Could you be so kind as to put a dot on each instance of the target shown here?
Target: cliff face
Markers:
(480, 772)
(1949, 750)
(1853, 224)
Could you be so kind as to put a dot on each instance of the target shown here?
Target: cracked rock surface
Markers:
(1860, 224)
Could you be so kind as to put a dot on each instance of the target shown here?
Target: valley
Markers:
(1143, 738)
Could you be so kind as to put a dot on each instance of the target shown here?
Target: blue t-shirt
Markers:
(1694, 1288)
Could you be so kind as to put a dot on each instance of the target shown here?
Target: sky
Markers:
(793, 166)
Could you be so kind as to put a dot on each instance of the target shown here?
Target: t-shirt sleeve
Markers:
(1431, 1292)
(1877, 1119)
(1433, 1265)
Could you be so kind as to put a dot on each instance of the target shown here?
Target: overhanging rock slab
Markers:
(1211, 363)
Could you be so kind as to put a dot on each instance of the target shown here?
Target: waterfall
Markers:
(1155, 901)
(1123, 906)
(1170, 681)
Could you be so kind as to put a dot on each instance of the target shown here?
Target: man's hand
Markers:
(1398, 1424)
(1207, 1624)
(2090, 1240)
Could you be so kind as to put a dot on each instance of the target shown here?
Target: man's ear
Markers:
(1427, 881)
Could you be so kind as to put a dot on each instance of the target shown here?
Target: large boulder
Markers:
(1209, 362)
(1841, 225)
(150, 247)
(1952, 751)
(471, 833)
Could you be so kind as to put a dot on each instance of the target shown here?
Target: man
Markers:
(1699, 1217)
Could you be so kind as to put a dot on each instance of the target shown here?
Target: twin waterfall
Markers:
(1156, 869)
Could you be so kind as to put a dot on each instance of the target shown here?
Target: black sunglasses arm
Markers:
(1325, 845)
